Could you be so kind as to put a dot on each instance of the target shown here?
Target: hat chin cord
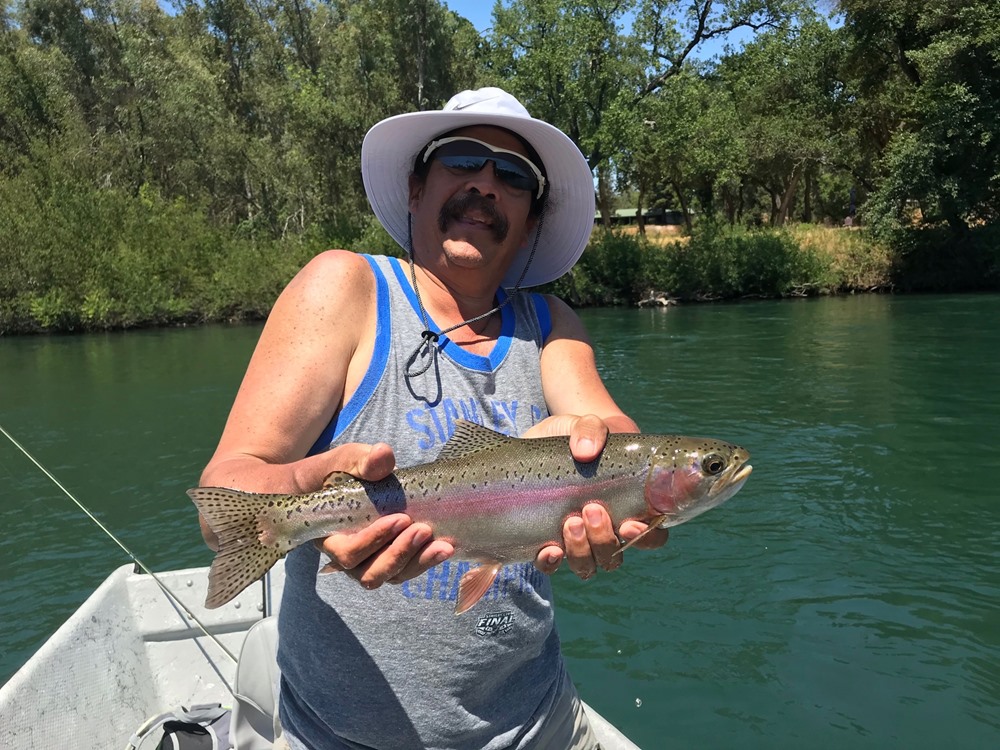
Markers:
(427, 349)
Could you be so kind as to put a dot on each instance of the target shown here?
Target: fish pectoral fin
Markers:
(653, 524)
(474, 584)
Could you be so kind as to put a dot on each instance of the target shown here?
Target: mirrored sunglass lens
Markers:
(516, 175)
(465, 163)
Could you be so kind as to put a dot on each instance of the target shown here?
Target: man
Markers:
(361, 350)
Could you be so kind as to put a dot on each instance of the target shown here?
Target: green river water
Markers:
(849, 596)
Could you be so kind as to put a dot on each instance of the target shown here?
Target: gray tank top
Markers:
(394, 667)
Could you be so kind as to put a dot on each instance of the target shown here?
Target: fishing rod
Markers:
(142, 566)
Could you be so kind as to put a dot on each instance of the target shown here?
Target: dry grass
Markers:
(855, 260)
(850, 259)
(656, 234)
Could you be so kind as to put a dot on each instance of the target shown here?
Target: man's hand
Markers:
(392, 548)
(589, 539)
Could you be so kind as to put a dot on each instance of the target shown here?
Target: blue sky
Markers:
(480, 13)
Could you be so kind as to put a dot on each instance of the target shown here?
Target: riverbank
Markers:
(728, 263)
(167, 268)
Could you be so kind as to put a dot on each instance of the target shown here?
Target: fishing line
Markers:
(170, 594)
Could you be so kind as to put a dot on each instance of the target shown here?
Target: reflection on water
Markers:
(846, 597)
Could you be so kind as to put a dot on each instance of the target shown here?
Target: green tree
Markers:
(927, 75)
(571, 65)
(787, 90)
(687, 148)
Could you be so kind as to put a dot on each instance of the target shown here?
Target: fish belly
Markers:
(498, 524)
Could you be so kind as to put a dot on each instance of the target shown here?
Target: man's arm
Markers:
(312, 354)
(582, 408)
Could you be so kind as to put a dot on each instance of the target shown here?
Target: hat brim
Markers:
(392, 145)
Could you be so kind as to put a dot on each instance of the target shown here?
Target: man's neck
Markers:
(459, 296)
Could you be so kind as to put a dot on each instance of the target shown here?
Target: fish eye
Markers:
(713, 464)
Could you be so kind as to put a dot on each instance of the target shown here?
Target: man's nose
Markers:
(485, 180)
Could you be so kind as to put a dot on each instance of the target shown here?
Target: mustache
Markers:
(458, 206)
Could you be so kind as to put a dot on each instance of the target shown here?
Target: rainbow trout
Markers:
(497, 499)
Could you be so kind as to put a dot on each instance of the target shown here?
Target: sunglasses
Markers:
(470, 155)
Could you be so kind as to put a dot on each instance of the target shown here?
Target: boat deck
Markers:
(130, 653)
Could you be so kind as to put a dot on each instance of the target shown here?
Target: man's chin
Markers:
(457, 246)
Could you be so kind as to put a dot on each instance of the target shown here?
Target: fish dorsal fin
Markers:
(338, 479)
(470, 438)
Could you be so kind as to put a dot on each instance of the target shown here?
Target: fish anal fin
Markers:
(653, 524)
(475, 584)
(470, 438)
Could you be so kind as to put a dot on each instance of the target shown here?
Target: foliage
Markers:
(574, 66)
(931, 72)
(77, 256)
(722, 262)
(718, 262)
(938, 259)
(609, 272)
(164, 167)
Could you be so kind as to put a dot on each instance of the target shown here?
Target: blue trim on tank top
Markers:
(544, 316)
(448, 347)
(376, 368)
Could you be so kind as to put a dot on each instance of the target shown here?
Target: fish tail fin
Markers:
(241, 558)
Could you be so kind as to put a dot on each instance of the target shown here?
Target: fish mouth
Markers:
(733, 480)
(742, 473)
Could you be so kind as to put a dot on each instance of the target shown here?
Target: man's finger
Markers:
(393, 558)
(587, 438)
(601, 536)
(549, 559)
(430, 555)
(368, 462)
(578, 554)
(350, 550)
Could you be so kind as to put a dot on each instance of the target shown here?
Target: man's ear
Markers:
(529, 230)
(416, 186)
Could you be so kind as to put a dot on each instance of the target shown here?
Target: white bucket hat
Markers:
(391, 147)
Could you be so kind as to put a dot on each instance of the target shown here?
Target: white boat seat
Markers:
(255, 723)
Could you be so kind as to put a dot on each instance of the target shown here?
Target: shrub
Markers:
(730, 262)
(610, 272)
(939, 259)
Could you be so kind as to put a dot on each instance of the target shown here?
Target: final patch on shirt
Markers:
(495, 623)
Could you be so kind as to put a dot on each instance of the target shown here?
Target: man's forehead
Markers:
(493, 135)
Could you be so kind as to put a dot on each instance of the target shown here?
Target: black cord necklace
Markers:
(427, 349)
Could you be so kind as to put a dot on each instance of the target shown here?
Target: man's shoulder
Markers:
(338, 263)
(338, 273)
(564, 321)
